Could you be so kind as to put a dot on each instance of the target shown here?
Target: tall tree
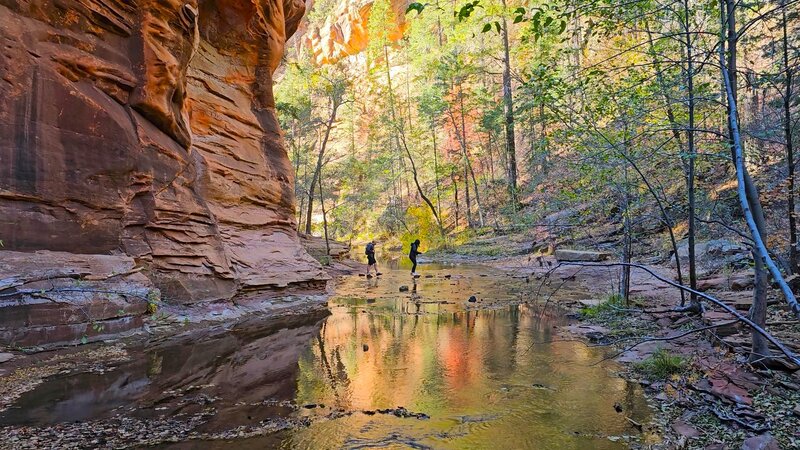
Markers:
(335, 89)
(508, 103)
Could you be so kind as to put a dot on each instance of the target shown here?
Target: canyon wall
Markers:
(345, 32)
(146, 130)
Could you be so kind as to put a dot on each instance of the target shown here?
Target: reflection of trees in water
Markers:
(437, 362)
(339, 380)
(448, 362)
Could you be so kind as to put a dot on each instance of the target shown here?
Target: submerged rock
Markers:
(403, 412)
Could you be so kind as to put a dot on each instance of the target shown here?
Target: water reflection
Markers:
(484, 372)
(229, 368)
(481, 375)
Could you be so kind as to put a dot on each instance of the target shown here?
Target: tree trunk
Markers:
(667, 220)
(436, 170)
(300, 211)
(324, 215)
(543, 147)
(335, 103)
(625, 288)
(673, 124)
(462, 139)
(481, 222)
(690, 175)
(508, 105)
(401, 142)
(455, 195)
(491, 155)
(679, 142)
(788, 135)
(749, 197)
(754, 215)
(466, 194)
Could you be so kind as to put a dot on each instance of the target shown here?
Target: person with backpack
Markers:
(412, 255)
(371, 261)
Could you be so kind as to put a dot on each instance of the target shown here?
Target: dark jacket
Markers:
(370, 249)
(414, 251)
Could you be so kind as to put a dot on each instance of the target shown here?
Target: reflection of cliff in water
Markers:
(254, 361)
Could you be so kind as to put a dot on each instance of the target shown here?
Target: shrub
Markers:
(610, 304)
(661, 364)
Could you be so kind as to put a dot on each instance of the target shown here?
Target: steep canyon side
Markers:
(145, 131)
(346, 31)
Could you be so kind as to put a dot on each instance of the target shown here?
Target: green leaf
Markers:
(519, 10)
(548, 21)
(415, 6)
(497, 26)
(519, 19)
(562, 27)
(486, 28)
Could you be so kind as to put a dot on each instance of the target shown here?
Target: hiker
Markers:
(412, 255)
(371, 261)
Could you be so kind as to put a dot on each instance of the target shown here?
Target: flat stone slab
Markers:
(581, 255)
(5, 357)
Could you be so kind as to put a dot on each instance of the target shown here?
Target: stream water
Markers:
(452, 374)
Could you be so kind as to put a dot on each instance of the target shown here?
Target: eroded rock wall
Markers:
(346, 31)
(147, 128)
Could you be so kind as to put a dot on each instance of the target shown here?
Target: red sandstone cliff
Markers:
(147, 129)
(345, 32)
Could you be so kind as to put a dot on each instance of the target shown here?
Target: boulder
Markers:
(581, 255)
(317, 248)
(715, 255)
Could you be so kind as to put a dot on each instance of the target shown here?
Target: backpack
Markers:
(370, 249)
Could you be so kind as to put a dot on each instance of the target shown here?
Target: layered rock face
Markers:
(346, 33)
(147, 129)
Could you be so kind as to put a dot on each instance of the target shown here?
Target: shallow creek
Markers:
(386, 369)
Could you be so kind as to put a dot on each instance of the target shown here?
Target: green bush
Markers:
(661, 364)
(610, 304)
